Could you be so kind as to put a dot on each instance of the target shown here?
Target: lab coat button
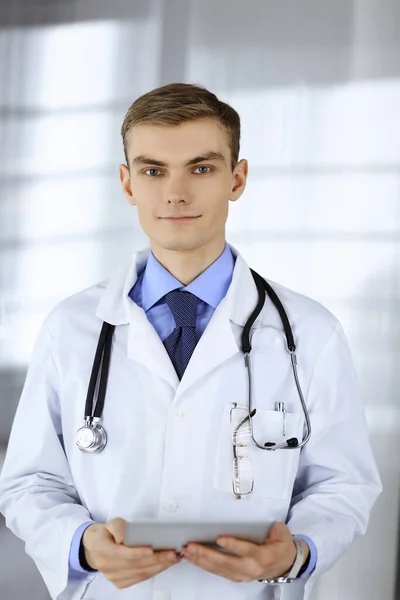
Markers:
(178, 414)
(171, 506)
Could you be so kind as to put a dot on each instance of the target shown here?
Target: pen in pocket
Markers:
(280, 406)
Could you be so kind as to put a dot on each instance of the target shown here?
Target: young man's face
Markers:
(163, 185)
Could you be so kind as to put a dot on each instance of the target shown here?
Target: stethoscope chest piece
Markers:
(91, 438)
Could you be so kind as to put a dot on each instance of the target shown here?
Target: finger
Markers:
(159, 558)
(113, 562)
(218, 560)
(103, 542)
(154, 558)
(279, 533)
(264, 555)
(117, 529)
(124, 579)
(115, 553)
(239, 547)
(234, 568)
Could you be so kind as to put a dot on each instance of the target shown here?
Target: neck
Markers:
(186, 265)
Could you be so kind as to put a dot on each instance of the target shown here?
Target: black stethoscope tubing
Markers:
(101, 360)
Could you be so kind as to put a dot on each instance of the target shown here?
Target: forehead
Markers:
(181, 141)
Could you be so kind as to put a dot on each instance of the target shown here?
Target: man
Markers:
(176, 372)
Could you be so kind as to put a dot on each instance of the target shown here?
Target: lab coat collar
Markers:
(117, 308)
(217, 344)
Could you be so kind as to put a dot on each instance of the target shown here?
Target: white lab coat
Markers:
(169, 453)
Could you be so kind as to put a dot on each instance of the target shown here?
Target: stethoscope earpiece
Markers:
(293, 442)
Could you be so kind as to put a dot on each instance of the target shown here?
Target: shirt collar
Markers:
(210, 286)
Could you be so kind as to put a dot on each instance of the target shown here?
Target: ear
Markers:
(239, 178)
(125, 179)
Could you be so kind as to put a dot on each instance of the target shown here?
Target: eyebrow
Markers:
(147, 160)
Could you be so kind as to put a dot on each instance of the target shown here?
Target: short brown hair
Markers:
(179, 102)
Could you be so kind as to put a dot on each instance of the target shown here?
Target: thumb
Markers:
(117, 529)
(278, 533)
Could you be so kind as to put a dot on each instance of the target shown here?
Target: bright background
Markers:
(317, 85)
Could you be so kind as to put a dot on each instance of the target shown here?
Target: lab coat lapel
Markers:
(116, 307)
(218, 343)
(146, 348)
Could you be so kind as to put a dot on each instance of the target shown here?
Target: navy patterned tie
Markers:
(182, 341)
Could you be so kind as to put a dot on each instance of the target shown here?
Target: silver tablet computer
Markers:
(172, 535)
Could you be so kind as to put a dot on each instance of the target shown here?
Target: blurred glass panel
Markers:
(79, 65)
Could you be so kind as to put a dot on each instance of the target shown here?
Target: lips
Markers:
(180, 218)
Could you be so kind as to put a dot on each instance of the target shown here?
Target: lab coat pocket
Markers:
(273, 471)
(99, 588)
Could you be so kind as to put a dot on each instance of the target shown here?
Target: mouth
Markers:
(179, 219)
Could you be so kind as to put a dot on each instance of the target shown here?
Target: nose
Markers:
(176, 190)
(176, 199)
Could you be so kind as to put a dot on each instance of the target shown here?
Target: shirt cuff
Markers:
(74, 562)
(312, 558)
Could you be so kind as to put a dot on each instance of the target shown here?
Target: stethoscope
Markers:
(92, 438)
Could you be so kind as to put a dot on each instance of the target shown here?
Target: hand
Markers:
(273, 558)
(122, 565)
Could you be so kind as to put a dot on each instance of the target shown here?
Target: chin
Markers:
(176, 245)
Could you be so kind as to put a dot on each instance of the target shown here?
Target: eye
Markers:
(203, 167)
(152, 174)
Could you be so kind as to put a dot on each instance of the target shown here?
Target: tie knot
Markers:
(183, 306)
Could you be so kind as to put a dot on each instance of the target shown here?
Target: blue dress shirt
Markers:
(153, 283)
